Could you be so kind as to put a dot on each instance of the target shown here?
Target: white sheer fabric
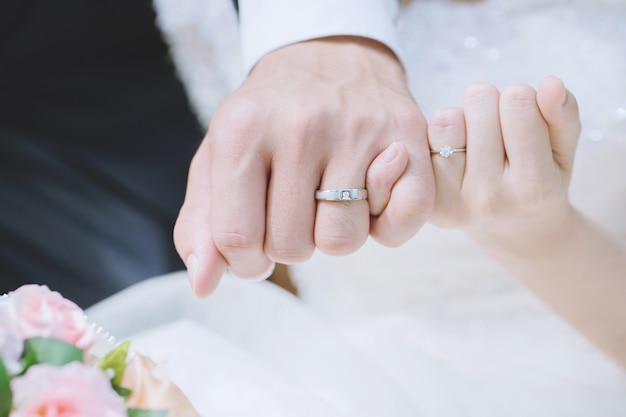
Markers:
(433, 327)
(250, 350)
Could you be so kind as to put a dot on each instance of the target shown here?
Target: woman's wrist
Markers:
(528, 240)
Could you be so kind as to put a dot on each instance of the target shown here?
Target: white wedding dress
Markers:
(433, 328)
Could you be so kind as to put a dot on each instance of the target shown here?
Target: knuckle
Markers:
(378, 184)
(341, 240)
(196, 167)
(288, 253)
(517, 96)
(187, 228)
(530, 192)
(393, 239)
(446, 120)
(181, 229)
(234, 241)
(487, 202)
(335, 244)
(480, 94)
(301, 125)
(408, 216)
(408, 117)
(362, 125)
(260, 269)
(238, 118)
(302, 116)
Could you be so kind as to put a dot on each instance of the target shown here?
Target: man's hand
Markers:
(312, 115)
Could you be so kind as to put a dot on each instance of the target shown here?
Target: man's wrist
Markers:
(334, 58)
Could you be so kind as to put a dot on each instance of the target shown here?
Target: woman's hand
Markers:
(510, 188)
(509, 192)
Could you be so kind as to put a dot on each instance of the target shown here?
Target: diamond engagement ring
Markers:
(447, 151)
(342, 194)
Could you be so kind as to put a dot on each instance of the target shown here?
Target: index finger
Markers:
(239, 175)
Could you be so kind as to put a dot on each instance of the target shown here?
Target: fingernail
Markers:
(390, 153)
(192, 270)
(564, 98)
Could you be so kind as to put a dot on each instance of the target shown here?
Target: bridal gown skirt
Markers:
(252, 349)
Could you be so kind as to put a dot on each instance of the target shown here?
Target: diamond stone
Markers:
(446, 151)
(345, 195)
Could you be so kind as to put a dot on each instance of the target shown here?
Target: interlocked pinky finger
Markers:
(383, 173)
(447, 139)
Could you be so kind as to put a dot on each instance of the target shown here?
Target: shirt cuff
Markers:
(266, 25)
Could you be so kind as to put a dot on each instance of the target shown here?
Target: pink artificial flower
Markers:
(152, 389)
(35, 311)
(72, 390)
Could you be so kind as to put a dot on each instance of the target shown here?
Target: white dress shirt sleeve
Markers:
(266, 25)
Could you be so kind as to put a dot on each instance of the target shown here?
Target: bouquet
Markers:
(55, 363)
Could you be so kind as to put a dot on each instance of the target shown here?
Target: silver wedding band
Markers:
(447, 151)
(341, 194)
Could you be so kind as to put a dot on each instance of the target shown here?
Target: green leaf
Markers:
(122, 392)
(6, 397)
(49, 351)
(140, 412)
(28, 359)
(116, 361)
